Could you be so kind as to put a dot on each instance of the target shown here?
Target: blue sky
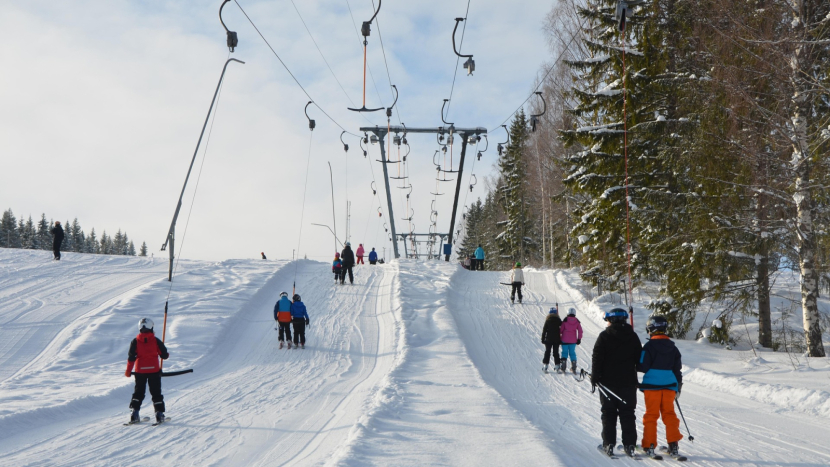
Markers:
(104, 100)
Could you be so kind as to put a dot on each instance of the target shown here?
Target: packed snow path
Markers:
(416, 364)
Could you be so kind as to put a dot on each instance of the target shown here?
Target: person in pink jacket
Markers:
(360, 252)
(571, 335)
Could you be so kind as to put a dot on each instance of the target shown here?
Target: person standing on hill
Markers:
(614, 370)
(263, 255)
(479, 256)
(143, 358)
(299, 316)
(347, 256)
(517, 279)
(571, 335)
(282, 314)
(359, 253)
(373, 257)
(57, 233)
(550, 338)
(337, 268)
(660, 361)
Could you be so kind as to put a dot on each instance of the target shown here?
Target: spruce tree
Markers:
(143, 250)
(8, 229)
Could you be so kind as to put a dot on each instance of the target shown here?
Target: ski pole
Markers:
(601, 387)
(691, 438)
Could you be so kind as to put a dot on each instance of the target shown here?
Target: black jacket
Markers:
(615, 358)
(57, 231)
(550, 332)
(347, 257)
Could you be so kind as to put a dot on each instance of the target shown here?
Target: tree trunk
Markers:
(764, 318)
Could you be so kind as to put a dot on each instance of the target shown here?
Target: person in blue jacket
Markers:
(299, 317)
(662, 381)
(373, 257)
(479, 254)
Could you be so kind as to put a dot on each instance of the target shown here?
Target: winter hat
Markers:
(553, 311)
(336, 255)
(518, 265)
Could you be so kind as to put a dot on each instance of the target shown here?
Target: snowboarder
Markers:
(373, 257)
(143, 357)
(571, 335)
(614, 370)
(517, 280)
(359, 253)
(263, 255)
(347, 256)
(662, 382)
(57, 232)
(282, 314)
(479, 254)
(337, 267)
(300, 318)
(551, 339)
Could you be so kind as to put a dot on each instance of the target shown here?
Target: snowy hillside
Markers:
(416, 364)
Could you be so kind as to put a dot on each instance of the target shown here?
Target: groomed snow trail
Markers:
(503, 341)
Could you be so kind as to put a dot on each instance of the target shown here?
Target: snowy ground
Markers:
(416, 364)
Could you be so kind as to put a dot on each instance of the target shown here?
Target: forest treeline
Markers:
(690, 149)
(31, 235)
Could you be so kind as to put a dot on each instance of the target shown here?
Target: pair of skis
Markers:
(145, 420)
(640, 453)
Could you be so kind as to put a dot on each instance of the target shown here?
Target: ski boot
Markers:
(302, 345)
(608, 450)
(545, 369)
(159, 417)
(573, 367)
(629, 451)
(289, 344)
(520, 301)
(281, 344)
(134, 417)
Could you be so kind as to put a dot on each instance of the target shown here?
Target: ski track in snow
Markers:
(418, 363)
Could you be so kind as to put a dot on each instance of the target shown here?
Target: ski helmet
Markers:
(348, 243)
(616, 315)
(145, 325)
(283, 294)
(571, 311)
(518, 264)
(657, 324)
(554, 311)
(296, 297)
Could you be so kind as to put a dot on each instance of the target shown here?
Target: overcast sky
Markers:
(103, 102)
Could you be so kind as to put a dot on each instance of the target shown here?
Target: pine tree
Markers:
(8, 230)
(131, 249)
(28, 236)
(44, 238)
(143, 250)
(77, 237)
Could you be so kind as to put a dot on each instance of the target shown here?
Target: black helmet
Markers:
(296, 297)
(657, 324)
(283, 294)
(616, 315)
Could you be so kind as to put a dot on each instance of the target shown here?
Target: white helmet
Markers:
(571, 311)
(145, 324)
(348, 243)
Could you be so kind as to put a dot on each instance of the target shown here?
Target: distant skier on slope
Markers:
(660, 360)
(550, 338)
(571, 335)
(517, 279)
(337, 267)
(347, 256)
(57, 233)
(300, 318)
(263, 255)
(143, 356)
(282, 314)
(373, 257)
(479, 259)
(614, 367)
(359, 253)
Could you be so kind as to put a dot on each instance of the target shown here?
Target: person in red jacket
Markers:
(143, 359)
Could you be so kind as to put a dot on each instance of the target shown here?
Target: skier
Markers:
(614, 370)
(57, 232)
(143, 356)
(517, 280)
(337, 267)
(263, 255)
(571, 336)
(550, 338)
(300, 318)
(282, 314)
(347, 256)
(373, 257)
(359, 253)
(479, 254)
(662, 382)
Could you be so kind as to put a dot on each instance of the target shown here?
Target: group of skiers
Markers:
(345, 261)
(617, 357)
(288, 312)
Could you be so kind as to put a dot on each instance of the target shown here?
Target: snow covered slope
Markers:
(416, 364)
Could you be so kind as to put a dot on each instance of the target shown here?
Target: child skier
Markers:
(662, 381)
(551, 339)
(571, 336)
(143, 356)
(517, 280)
(300, 318)
(337, 267)
(282, 314)
(614, 370)
(373, 256)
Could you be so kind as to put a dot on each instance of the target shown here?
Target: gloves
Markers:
(129, 371)
(578, 341)
(677, 394)
(306, 322)
(543, 341)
